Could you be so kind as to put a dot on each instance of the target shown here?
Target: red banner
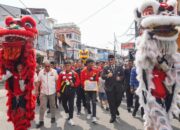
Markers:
(127, 45)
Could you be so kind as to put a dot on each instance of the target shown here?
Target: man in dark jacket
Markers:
(134, 84)
(113, 76)
(80, 90)
(129, 95)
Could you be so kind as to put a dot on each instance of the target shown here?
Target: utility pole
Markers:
(115, 41)
(73, 51)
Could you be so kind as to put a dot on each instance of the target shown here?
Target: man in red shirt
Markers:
(67, 83)
(89, 74)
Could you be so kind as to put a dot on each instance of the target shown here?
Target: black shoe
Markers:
(78, 113)
(53, 120)
(107, 109)
(41, 123)
(112, 120)
(48, 111)
(134, 114)
(129, 110)
(117, 113)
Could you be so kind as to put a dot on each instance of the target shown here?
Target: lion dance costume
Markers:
(17, 49)
(157, 63)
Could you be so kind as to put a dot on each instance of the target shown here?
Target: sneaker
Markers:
(112, 120)
(89, 116)
(129, 110)
(134, 114)
(41, 124)
(53, 120)
(94, 120)
(71, 122)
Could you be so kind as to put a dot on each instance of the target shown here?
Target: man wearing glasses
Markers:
(47, 81)
(113, 76)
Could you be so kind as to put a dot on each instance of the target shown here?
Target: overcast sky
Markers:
(98, 30)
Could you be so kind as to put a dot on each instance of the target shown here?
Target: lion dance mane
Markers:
(17, 47)
(157, 63)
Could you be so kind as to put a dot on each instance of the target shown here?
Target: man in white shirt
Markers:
(47, 81)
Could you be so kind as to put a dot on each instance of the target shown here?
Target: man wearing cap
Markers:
(89, 75)
(67, 83)
(113, 76)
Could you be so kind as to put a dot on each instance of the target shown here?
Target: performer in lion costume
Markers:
(157, 63)
(17, 67)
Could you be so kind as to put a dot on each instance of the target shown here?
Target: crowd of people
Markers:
(57, 85)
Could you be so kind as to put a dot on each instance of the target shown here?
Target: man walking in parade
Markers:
(113, 76)
(89, 76)
(129, 94)
(47, 79)
(67, 83)
(80, 90)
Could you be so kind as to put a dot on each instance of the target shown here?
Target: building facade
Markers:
(72, 36)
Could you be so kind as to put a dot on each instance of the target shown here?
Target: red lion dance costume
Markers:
(17, 52)
(158, 63)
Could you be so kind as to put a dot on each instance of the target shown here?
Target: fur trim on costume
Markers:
(148, 50)
(147, 3)
(158, 20)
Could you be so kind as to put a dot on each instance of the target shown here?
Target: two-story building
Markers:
(72, 36)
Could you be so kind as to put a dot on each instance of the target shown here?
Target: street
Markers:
(124, 122)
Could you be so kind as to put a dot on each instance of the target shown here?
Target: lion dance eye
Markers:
(29, 24)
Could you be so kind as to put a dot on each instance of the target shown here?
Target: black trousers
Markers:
(21, 102)
(129, 97)
(136, 105)
(68, 102)
(91, 97)
(114, 99)
(80, 98)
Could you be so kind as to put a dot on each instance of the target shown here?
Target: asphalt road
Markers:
(125, 122)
